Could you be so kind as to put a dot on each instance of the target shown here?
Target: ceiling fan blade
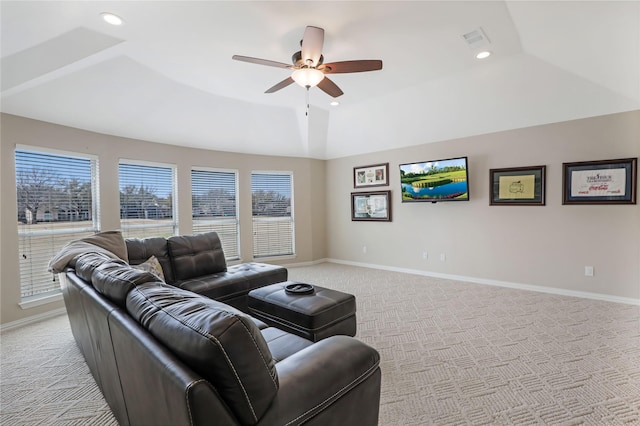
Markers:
(260, 61)
(312, 42)
(351, 66)
(284, 83)
(330, 88)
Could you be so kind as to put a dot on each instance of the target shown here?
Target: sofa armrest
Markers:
(334, 381)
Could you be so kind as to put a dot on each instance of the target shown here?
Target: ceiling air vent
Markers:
(476, 39)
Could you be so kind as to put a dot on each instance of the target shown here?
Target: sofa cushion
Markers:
(236, 280)
(217, 341)
(114, 279)
(86, 263)
(196, 255)
(283, 344)
(140, 250)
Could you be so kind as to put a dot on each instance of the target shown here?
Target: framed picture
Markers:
(600, 182)
(374, 175)
(517, 186)
(372, 206)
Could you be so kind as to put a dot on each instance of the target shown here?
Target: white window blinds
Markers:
(273, 224)
(56, 205)
(147, 195)
(215, 207)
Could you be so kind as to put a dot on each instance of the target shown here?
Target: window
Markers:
(56, 205)
(147, 195)
(273, 230)
(214, 207)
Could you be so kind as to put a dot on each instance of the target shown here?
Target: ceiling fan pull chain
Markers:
(307, 112)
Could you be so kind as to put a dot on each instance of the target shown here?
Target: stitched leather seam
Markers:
(109, 327)
(213, 339)
(262, 356)
(226, 356)
(191, 386)
(337, 394)
(186, 399)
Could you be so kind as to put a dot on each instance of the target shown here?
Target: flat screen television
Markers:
(434, 181)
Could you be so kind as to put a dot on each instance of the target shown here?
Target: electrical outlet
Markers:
(443, 257)
(425, 255)
(588, 271)
(364, 249)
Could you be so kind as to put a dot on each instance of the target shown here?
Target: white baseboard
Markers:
(485, 281)
(32, 319)
(301, 264)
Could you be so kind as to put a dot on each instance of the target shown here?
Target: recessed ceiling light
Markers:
(111, 18)
(334, 103)
(483, 54)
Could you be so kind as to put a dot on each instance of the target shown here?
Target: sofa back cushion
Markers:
(196, 255)
(115, 279)
(218, 342)
(140, 250)
(86, 263)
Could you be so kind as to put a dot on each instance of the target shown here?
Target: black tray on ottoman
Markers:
(314, 315)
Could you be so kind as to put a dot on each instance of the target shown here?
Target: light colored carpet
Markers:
(453, 353)
(45, 381)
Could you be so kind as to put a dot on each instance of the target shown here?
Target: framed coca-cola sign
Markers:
(600, 182)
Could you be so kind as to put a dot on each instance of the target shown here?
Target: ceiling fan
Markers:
(308, 67)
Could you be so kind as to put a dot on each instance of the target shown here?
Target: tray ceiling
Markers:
(167, 76)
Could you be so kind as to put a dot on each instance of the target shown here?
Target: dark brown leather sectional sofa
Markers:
(163, 354)
(197, 263)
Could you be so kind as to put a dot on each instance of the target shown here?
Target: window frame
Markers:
(236, 219)
(53, 294)
(174, 223)
(258, 219)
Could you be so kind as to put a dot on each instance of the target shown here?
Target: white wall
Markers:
(545, 246)
(308, 179)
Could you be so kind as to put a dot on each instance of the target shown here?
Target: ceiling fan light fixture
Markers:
(307, 77)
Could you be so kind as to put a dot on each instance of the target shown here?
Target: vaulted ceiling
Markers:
(167, 75)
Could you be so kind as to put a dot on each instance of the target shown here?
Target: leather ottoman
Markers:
(314, 316)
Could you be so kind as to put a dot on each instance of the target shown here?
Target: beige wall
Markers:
(544, 246)
(308, 178)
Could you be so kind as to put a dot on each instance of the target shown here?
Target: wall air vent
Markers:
(476, 39)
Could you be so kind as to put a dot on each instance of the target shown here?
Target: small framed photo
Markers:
(374, 175)
(371, 206)
(517, 186)
(600, 182)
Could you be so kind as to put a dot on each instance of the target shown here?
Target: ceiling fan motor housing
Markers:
(296, 59)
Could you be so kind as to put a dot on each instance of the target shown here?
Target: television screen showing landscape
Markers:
(440, 180)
